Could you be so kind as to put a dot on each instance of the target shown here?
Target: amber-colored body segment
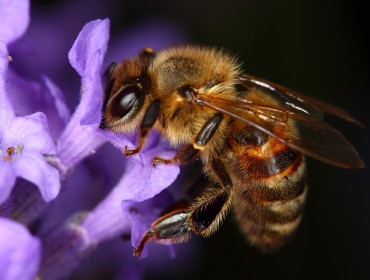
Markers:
(270, 187)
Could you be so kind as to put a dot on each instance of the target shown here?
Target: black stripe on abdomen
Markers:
(269, 211)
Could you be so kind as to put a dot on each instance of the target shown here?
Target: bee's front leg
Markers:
(149, 119)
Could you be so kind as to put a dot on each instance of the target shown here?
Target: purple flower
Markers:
(20, 256)
(41, 95)
(14, 19)
(81, 137)
(29, 96)
(75, 224)
(24, 142)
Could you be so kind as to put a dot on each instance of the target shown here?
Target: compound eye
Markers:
(124, 101)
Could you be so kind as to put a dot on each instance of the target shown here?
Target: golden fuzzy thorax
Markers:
(206, 68)
(208, 71)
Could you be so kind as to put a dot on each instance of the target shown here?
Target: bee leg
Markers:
(203, 217)
(184, 155)
(168, 229)
(149, 119)
(190, 151)
(207, 131)
(209, 210)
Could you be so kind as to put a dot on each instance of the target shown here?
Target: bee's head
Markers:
(124, 95)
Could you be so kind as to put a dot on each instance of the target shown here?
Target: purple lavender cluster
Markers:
(46, 227)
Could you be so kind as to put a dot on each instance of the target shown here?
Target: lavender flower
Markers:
(27, 151)
(82, 136)
(41, 95)
(23, 143)
(20, 256)
(14, 19)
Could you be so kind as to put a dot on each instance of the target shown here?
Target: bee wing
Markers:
(292, 121)
(296, 100)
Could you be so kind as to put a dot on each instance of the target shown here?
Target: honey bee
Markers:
(250, 134)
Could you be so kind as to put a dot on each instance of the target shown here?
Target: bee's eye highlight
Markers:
(124, 101)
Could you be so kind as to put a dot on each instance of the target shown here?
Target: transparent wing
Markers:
(296, 100)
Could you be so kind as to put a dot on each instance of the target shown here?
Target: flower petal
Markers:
(144, 183)
(78, 142)
(31, 132)
(33, 167)
(139, 183)
(15, 16)
(80, 139)
(7, 180)
(143, 214)
(20, 252)
(42, 95)
(58, 99)
(120, 141)
(86, 56)
(91, 42)
(140, 224)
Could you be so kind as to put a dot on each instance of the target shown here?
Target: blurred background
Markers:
(320, 48)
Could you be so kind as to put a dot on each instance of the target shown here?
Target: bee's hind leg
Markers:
(203, 216)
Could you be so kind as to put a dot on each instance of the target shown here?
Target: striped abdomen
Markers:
(269, 188)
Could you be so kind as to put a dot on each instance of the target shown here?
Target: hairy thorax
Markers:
(199, 67)
(207, 71)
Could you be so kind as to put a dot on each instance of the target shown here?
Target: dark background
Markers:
(320, 48)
